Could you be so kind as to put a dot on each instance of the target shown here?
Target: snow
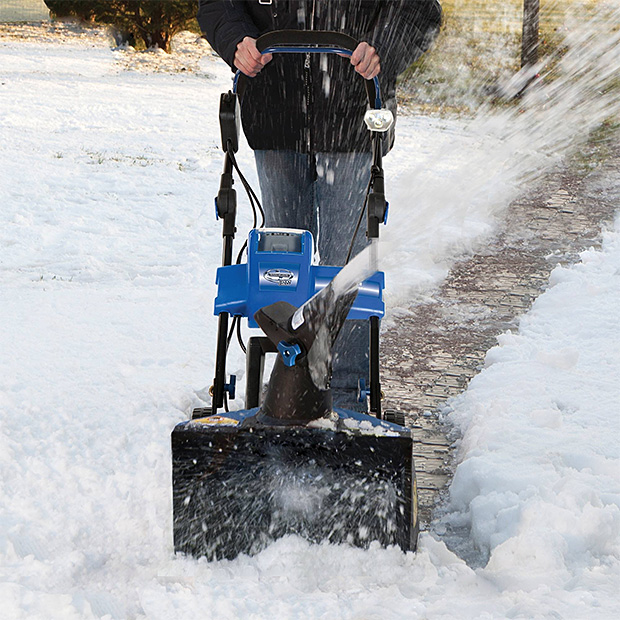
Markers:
(538, 481)
(108, 250)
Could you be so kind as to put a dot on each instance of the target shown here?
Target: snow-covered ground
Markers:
(108, 248)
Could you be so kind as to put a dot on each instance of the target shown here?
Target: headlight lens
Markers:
(379, 120)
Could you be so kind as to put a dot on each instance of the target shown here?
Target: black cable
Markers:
(240, 338)
(256, 205)
(240, 255)
(231, 331)
(359, 222)
(254, 201)
(252, 193)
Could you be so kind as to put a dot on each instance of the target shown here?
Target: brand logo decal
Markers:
(283, 277)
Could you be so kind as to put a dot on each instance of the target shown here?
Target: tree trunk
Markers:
(161, 39)
(529, 43)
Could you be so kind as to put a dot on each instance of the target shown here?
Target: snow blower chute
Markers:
(288, 463)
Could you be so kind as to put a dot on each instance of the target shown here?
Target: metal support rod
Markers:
(254, 366)
(376, 216)
(258, 346)
(375, 380)
(227, 211)
(376, 197)
(219, 381)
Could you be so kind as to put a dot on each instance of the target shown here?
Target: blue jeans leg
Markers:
(287, 189)
(324, 193)
(341, 184)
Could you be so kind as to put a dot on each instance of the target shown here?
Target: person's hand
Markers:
(366, 61)
(248, 59)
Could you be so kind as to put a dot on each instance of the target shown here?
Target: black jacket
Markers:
(319, 108)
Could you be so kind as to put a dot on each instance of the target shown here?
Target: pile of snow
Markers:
(108, 248)
(538, 484)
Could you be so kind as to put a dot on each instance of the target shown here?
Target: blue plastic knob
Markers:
(289, 352)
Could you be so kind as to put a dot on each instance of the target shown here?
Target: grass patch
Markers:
(601, 145)
(479, 46)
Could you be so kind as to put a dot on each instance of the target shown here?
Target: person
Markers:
(302, 114)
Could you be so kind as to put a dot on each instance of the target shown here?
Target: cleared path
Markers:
(432, 354)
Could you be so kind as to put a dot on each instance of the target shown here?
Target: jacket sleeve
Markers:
(404, 30)
(225, 23)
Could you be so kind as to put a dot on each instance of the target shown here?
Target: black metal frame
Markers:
(226, 206)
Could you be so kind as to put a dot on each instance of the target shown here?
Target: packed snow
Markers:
(108, 250)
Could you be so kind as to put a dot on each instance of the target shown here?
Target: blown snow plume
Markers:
(575, 99)
(294, 466)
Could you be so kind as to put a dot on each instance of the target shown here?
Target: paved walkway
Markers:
(432, 354)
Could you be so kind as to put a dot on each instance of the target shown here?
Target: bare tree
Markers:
(529, 43)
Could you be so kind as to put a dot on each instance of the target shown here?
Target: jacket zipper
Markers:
(308, 85)
(308, 93)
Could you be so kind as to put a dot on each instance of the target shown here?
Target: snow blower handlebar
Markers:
(377, 120)
(321, 42)
(309, 42)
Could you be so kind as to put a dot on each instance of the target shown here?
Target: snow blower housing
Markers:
(279, 268)
(288, 463)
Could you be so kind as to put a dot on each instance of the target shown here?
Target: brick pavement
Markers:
(432, 353)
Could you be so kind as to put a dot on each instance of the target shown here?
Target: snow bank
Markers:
(538, 483)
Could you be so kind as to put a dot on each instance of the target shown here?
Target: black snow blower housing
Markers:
(289, 463)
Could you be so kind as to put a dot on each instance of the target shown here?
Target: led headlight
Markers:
(379, 120)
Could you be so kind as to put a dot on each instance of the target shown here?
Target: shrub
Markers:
(142, 23)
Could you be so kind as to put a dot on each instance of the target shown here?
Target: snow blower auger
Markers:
(289, 463)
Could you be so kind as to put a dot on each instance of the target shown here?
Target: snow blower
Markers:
(288, 463)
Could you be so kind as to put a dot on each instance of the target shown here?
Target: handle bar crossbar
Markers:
(310, 42)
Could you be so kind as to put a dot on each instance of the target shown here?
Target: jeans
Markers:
(324, 193)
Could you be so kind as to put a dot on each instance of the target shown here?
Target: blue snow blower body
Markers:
(279, 268)
(288, 462)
